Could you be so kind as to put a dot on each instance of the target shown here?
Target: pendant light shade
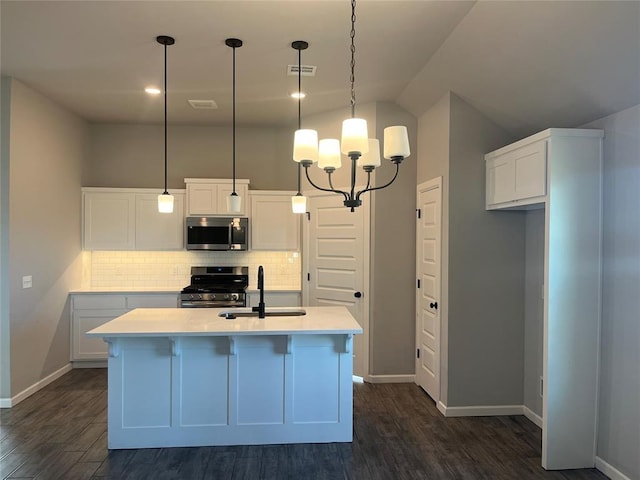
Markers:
(305, 145)
(299, 203)
(234, 201)
(396, 142)
(165, 200)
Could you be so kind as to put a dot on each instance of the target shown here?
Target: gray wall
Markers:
(482, 261)
(5, 343)
(486, 272)
(393, 247)
(533, 309)
(47, 149)
(123, 155)
(619, 408)
(433, 161)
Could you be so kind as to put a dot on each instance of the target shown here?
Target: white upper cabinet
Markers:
(208, 197)
(274, 226)
(128, 219)
(155, 230)
(517, 175)
(109, 220)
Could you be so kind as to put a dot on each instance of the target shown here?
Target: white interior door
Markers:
(428, 248)
(336, 244)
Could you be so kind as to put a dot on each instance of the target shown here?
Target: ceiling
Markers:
(526, 65)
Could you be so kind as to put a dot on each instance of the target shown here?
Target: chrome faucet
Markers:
(261, 307)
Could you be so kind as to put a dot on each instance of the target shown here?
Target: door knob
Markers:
(357, 294)
(434, 305)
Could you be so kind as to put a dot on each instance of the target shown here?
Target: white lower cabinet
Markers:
(275, 299)
(89, 311)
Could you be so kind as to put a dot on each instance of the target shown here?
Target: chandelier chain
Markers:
(353, 58)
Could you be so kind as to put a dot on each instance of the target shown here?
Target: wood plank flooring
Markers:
(61, 433)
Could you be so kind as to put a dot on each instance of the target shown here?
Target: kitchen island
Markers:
(189, 377)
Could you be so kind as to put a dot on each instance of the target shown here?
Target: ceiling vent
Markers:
(307, 70)
(203, 104)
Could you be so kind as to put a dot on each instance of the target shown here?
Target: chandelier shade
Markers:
(329, 153)
(305, 145)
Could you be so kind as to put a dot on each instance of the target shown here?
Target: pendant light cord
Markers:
(353, 58)
(299, 114)
(165, 119)
(234, 123)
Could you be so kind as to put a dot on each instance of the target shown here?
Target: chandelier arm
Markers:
(381, 187)
(332, 190)
(346, 196)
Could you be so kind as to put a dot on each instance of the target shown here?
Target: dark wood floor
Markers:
(61, 433)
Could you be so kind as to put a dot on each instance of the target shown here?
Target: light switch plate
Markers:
(27, 281)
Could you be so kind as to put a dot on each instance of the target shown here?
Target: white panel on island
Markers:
(189, 377)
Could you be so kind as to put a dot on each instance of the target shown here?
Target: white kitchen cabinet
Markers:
(273, 224)
(572, 277)
(109, 219)
(275, 299)
(90, 310)
(208, 196)
(517, 175)
(155, 230)
(128, 219)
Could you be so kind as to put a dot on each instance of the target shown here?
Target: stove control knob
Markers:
(234, 296)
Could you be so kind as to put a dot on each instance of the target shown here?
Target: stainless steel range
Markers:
(216, 287)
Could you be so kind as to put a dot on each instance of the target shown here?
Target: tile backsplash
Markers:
(173, 269)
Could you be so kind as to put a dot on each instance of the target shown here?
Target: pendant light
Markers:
(355, 143)
(234, 201)
(165, 200)
(299, 201)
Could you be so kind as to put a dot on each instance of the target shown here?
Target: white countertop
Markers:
(156, 322)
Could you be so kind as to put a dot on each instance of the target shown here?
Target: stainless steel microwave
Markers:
(217, 233)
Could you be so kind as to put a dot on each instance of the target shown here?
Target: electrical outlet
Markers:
(27, 281)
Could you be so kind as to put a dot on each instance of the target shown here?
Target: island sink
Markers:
(269, 312)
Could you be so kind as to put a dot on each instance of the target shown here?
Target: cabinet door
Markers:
(109, 221)
(500, 181)
(224, 191)
(202, 199)
(273, 225)
(159, 231)
(89, 348)
(530, 171)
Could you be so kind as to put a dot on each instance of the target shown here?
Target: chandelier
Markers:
(355, 143)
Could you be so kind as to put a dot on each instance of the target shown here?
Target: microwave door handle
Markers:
(230, 235)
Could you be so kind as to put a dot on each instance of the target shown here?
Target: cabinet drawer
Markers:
(99, 301)
(152, 301)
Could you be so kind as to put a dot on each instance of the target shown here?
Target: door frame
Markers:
(366, 263)
(424, 187)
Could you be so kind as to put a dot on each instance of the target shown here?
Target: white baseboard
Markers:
(27, 392)
(533, 416)
(480, 411)
(609, 470)
(390, 378)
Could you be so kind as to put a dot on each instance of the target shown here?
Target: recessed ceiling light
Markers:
(153, 90)
(298, 95)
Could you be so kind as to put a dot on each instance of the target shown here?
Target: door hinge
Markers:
(308, 216)
(418, 212)
(418, 283)
(308, 277)
(417, 353)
